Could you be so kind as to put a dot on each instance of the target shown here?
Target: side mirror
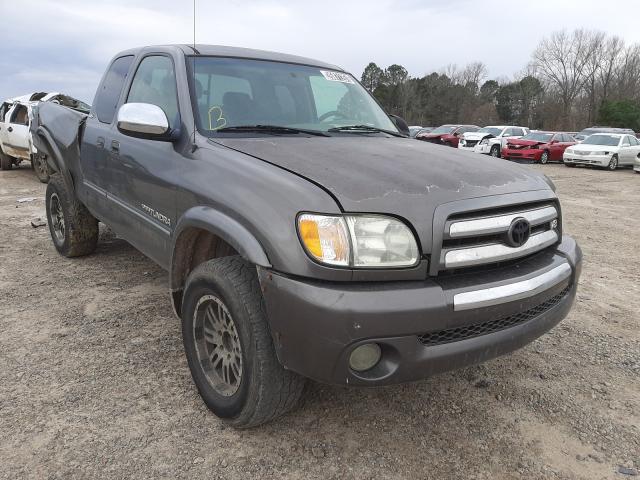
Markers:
(143, 120)
(400, 124)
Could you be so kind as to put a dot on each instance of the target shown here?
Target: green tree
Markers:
(623, 113)
(372, 77)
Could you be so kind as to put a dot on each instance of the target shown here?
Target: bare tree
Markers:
(562, 60)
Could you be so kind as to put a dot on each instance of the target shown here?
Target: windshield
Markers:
(231, 92)
(495, 131)
(443, 129)
(538, 137)
(600, 139)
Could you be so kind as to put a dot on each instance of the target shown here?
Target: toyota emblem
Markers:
(519, 232)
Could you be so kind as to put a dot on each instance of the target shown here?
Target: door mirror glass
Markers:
(143, 120)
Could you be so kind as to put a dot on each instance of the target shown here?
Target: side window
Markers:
(625, 141)
(508, 132)
(20, 116)
(107, 98)
(155, 82)
(518, 132)
(633, 140)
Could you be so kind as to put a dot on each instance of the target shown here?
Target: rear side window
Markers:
(107, 98)
(633, 140)
(155, 83)
(518, 132)
(3, 110)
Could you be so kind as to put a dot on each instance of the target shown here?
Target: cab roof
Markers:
(236, 52)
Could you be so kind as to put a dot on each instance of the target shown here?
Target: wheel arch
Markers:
(204, 233)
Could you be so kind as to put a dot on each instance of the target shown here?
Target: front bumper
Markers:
(597, 160)
(522, 154)
(482, 148)
(465, 147)
(316, 325)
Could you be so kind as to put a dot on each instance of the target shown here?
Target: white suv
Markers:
(490, 140)
(16, 144)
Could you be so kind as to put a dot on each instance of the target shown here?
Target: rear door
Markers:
(97, 135)
(555, 147)
(17, 144)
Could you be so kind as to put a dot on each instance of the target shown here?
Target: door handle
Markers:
(115, 146)
(100, 142)
(10, 129)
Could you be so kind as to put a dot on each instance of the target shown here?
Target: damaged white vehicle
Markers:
(490, 139)
(16, 143)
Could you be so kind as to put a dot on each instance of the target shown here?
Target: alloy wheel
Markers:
(218, 345)
(57, 217)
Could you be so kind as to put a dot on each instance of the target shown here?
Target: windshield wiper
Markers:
(364, 128)
(271, 129)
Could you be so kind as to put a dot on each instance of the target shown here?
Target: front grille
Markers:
(470, 143)
(482, 237)
(470, 331)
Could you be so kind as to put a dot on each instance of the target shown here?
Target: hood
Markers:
(394, 175)
(476, 135)
(527, 143)
(583, 147)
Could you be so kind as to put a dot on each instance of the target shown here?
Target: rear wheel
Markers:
(495, 151)
(73, 229)
(544, 158)
(6, 162)
(39, 164)
(229, 346)
(613, 163)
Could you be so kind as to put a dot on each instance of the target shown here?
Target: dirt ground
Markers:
(94, 382)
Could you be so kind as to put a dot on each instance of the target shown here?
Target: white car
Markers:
(16, 144)
(608, 150)
(490, 139)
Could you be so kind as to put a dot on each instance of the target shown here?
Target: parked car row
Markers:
(16, 143)
(596, 146)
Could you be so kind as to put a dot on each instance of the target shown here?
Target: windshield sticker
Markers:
(220, 121)
(337, 76)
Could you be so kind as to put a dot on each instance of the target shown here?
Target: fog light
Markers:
(365, 357)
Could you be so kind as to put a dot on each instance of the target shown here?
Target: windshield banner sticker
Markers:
(337, 76)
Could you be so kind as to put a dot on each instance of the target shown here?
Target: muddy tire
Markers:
(41, 168)
(229, 346)
(495, 151)
(73, 229)
(6, 162)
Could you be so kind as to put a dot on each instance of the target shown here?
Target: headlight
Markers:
(484, 141)
(463, 142)
(360, 241)
(568, 150)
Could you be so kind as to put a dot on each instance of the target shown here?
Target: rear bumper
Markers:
(316, 325)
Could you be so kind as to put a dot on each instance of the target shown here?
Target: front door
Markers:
(144, 170)
(17, 135)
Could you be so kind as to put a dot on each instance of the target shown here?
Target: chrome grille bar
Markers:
(499, 224)
(497, 252)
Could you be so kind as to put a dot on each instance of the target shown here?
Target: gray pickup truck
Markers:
(304, 234)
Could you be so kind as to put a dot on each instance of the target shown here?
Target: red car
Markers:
(448, 135)
(540, 147)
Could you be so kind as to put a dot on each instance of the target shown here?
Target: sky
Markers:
(65, 45)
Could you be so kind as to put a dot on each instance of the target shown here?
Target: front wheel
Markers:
(495, 151)
(613, 163)
(73, 229)
(544, 158)
(229, 346)
(39, 164)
